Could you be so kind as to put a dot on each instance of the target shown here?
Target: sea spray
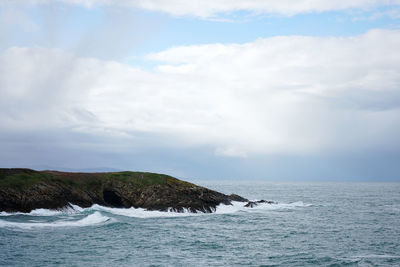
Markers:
(94, 211)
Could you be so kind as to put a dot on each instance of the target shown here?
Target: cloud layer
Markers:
(210, 8)
(281, 95)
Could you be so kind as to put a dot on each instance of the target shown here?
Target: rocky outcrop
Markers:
(252, 204)
(235, 197)
(24, 190)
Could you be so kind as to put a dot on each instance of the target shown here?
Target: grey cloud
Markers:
(45, 150)
(283, 95)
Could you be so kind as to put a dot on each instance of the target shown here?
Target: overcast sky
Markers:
(289, 90)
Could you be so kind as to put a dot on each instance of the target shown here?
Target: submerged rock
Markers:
(252, 204)
(24, 190)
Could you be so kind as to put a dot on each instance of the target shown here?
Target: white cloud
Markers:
(278, 95)
(392, 13)
(15, 17)
(210, 8)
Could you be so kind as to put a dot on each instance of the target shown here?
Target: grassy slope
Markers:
(20, 179)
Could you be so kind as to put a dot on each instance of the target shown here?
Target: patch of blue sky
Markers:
(186, 31)
(127, 35)
(242, 27)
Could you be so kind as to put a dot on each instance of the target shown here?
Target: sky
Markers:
(289, 90)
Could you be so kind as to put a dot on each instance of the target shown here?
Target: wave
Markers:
(239, 207)
(220, 209)
(140, 213)
(92, 219)
(71, 209)
(96, 214)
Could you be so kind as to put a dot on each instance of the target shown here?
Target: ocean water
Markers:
(313, 224)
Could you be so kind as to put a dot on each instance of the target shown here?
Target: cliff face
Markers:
(24, 190)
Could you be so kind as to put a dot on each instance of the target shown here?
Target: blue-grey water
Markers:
(313, 224)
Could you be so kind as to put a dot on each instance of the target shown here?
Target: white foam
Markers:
(92, 219)
(221, 209)
(141, 213)
(75, 208)
(46, 212)
(239, 206)
(227, 209)
(292, 205)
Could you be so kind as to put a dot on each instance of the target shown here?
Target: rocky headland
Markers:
(23, 190)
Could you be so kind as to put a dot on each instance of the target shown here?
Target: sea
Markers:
(311, 224)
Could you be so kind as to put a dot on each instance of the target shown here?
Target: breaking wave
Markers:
(239, 207)
(92, 219)
(140, 213)
(71, 209)
(97, 214)
(221, 209)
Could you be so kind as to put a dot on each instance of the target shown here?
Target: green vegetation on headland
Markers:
(25, 178)
(25, 190)
(12, 179)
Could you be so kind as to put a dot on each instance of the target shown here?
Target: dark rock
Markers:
(252, 204)
(234, 197)
(112, 198)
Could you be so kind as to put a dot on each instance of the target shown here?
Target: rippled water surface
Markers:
(316, 224)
